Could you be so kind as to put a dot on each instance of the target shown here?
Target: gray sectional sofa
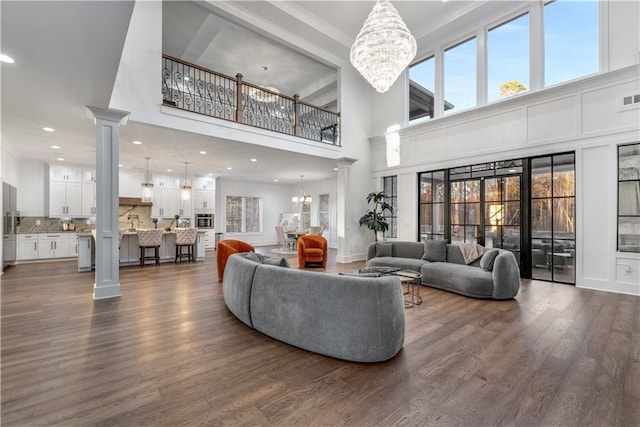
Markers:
(347, 317)
(495, 275)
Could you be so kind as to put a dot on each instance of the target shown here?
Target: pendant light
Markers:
(147, 185)
(302, 198)
(185, 193)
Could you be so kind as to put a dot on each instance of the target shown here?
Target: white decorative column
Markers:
(344, 169)
(107, 231)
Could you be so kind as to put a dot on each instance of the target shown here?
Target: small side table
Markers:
(412, 279)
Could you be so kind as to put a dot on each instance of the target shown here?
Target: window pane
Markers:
(570, 40)
(253, 215)
(629, 162)
(541, 218)
(541, 177)
(563, 175)
(512, 213)
(473, 191)
(494, 214)
(629, 234)
(492, 190)
(629, 198)
(511, 238)
(438, 218)
(438, 183)
(564, 218)
(512, 188)
(457, 191)
(421, 89)
(460, 76)
(457, 213)
(426, 222)
(426, 190)
(472, 213)
(234, 214)
(508, 58)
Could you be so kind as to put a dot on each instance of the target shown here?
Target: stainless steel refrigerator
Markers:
(11, 215)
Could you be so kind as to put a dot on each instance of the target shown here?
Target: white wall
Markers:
(585, 116)
(276, 198)
(130, 183)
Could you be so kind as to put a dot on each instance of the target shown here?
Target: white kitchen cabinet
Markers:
(88, 175)
(88, 207)
(64, 173)
(53, 245)
(200, 247)
(204, 200)
(84, 247)
(166, 181)
(183, 208)
(166, 202)
(209, 238)
(27, 247)
(65, 199)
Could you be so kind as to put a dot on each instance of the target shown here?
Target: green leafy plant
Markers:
(373, 219)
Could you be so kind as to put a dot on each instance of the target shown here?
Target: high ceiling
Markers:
(67, 55)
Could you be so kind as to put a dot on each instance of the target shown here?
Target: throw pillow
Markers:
(435, 250)
(383, 249)
(280, 262)
(488, 258)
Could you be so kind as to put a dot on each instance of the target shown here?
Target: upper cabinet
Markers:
(71, 192)
(204, 195)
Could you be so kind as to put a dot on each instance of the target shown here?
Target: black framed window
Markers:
(629, 198)
(390, 188)
(433, 197)
(553, 218)
(465, 210)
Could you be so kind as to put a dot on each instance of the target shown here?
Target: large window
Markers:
(390, 188)
(465, 211)
(553, 217)
(629, 198)
(244, 214)
(502, 213)
(432, 205)
(570, 50)
(460, 76)
(323, 211)
(422, 86)
(570, 40)
(508, 58)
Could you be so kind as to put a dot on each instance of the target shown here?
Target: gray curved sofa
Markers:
(450, 273)
(347, 317)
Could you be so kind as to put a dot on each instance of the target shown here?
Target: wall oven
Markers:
(204, 220)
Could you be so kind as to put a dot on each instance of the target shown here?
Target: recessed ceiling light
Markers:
(136, 142)
(169, 170)
(120, 165)
(228, 168)
(6, 58)
(48, 129)
(60, 159)
(210, 174)
(264, 68)
(335, 169)
(203, 152)
(275, 180)
(254, 160)
(55, 147)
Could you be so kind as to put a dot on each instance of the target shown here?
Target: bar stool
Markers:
(186, 237)
(148, 239)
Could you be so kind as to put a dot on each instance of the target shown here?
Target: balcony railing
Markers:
(192, 88)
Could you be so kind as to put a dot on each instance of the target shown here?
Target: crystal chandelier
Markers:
(147, 186)
(302, 198)
(185, 188)
(384, 47)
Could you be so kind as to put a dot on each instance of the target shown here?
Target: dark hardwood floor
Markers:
(169, 353)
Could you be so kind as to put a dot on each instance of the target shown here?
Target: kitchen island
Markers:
(130, 251)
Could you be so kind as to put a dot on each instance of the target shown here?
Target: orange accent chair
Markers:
(312, 249)
(228, 247)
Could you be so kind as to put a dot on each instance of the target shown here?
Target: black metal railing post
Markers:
(239, 98)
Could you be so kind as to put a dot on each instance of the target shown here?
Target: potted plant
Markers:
(177, 217)
(155, 222)
(373, 219)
